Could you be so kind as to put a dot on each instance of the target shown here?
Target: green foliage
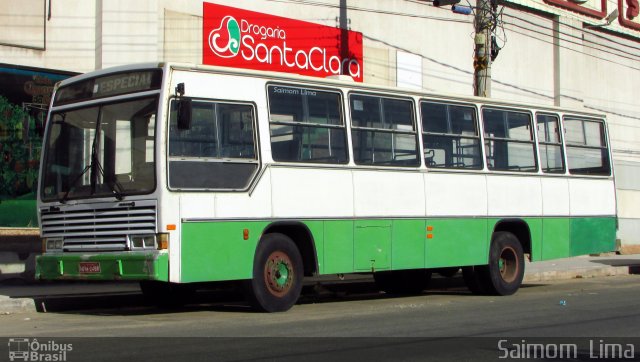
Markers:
(20, 146)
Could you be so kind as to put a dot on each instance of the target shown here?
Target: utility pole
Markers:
(344, 33)
(484, 24)
(486, 49)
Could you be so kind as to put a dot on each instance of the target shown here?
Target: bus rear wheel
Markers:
(277, 274)
(505, 271)
(411, 281)
(477, 279)
(506, 263)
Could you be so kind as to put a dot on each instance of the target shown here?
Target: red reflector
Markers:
(245, 234)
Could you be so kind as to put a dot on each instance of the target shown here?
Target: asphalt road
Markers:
(444, 323)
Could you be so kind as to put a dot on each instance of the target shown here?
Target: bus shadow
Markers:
(231, 300)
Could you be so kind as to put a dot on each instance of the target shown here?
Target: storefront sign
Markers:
(22, 85)
(629, 11)
(592, 8)
(247, 39)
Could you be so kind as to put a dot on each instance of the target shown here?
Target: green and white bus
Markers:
(175, 175)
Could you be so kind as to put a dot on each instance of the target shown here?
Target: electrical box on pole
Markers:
(486, 20)
(483, 23)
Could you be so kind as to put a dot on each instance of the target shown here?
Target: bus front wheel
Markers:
(477, 279)
(503, 275)
(277, 274)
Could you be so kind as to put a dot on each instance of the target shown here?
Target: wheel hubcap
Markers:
(278, 273)
(508, 265)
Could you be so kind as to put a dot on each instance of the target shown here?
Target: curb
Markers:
(576, 273)
(15, 305)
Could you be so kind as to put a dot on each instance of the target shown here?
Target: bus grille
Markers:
(98, 227)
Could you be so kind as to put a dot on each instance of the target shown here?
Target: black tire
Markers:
(411, 281)
(277, 274)
(477, 279)
(506, 264)
(166, 295)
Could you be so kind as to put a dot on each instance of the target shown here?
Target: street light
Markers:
(609, 19)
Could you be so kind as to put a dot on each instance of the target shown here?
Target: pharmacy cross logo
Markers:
(225, 41)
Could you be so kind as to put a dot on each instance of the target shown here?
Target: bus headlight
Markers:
(163, 241)
(143, 241)
(54, 245)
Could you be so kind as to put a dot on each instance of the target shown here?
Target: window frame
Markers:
(585, 146)
(256, 138)
(100, 104)
(561, 143)
(532, 131)
(479, 133)
(341, 126)
(415, 132)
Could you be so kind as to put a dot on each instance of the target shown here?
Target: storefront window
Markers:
(24, 98)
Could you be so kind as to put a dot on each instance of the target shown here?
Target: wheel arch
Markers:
(519, 228)
(302, 237)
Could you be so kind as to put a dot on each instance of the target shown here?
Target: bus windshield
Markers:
(100, 151)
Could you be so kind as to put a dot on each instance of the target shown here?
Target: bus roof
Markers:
(329, 81)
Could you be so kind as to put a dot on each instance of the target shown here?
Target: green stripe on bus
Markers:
(218, 251)
(555, 239)
(592, 235)
(108, 266)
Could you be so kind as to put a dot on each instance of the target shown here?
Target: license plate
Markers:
(89, 267)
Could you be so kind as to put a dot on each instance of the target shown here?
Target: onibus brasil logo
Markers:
(25, 349)
(266, 44)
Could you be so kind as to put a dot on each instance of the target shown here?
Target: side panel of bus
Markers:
(365, 219)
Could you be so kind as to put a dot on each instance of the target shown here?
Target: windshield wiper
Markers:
(73, 184)
(114, 185)
(95, 167)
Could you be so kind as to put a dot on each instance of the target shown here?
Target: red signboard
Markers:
(247, 39)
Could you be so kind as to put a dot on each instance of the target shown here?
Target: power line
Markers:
(375, 11)
(582, 42)
(576, 36)
(571, 49)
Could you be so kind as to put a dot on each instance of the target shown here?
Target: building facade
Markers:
(573, 53)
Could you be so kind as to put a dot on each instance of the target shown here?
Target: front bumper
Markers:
(152, 265)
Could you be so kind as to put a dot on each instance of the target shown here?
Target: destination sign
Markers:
(110, 85)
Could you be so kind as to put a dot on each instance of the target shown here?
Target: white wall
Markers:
(70, 38)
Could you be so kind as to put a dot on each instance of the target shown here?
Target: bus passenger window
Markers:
(550, 144)
(587, 150)
(509, 143)
(383, 131)
(306, 125)
(450, 136)
(218, 151)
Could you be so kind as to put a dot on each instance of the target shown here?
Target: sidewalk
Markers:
(29, 297)
(582, 267)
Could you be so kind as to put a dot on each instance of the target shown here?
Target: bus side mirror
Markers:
(184, 114)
